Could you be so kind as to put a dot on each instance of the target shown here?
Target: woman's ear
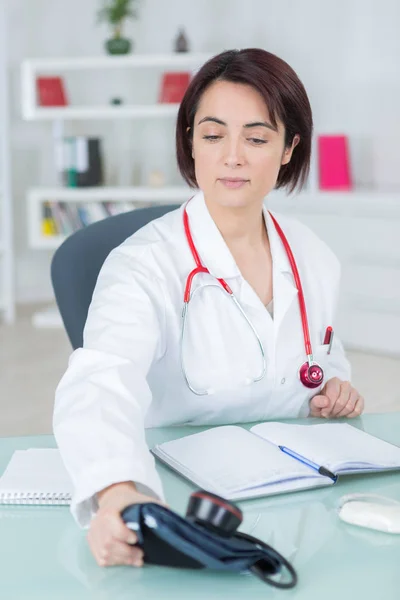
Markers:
(287, 154)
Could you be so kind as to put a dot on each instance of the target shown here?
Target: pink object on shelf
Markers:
(333, 162)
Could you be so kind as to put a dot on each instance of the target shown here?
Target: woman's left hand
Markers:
(337, 399)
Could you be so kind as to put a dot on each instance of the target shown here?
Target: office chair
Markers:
(77, 262)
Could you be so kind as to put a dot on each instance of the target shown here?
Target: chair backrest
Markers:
(76, 263)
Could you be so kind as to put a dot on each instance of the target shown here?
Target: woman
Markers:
(244, 127)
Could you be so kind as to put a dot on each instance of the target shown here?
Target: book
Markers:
(51, 91)
(36, 476)
(88, 161)
(173, 87)
(237, 463)
(69, 162)
(49, 225)
(333, 163)
(60, 218)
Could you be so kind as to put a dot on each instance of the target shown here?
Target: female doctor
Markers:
(215, 313)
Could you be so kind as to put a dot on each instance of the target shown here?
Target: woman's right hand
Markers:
(110, 540)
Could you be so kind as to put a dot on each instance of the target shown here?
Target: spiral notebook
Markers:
(36, 476)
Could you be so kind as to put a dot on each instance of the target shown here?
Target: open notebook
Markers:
(35, 476)
(236, 463)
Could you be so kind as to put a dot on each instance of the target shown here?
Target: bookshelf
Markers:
(94, 198)
(7, 300)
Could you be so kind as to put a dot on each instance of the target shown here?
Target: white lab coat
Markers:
(128, 374)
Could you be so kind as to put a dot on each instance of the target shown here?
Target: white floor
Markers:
(33, 360)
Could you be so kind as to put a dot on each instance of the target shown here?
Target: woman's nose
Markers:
(234, 154)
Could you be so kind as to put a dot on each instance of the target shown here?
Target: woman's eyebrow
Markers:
(247, 125)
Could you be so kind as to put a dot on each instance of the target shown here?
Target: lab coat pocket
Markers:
(219, 350)
(321, 356)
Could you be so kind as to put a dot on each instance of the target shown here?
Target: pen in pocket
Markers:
(328, 339)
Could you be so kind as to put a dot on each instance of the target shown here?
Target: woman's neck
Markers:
(239, 226)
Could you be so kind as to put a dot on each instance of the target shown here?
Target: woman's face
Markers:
(234, 139)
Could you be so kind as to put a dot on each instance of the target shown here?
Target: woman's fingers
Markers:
(351, 404)
(317, 404)
(118, 529)
(341, 401)
(337, 399)
(111, 541)
(109, 538)
(358, 409)
(119, 553)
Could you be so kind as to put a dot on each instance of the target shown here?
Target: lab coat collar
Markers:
(283, 284)
(280, 258)
(216, 256)
(209, 243)
(212, 248)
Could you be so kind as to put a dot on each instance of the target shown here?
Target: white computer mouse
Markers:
(373, 512)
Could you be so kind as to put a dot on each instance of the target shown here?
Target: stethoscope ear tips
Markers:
(311, 376)
(213, 512)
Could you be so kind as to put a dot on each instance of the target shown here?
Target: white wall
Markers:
(346, 52)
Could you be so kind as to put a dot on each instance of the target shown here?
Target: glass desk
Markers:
(44, 555)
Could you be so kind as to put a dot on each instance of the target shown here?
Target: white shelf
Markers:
(368, 203)
(36, 197)
(179, 59)
(101, 112)
(114, 194)
(319, 201)
(371, 204)
(41, 242)
(31, 68)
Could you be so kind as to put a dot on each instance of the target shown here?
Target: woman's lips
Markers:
(233, 183)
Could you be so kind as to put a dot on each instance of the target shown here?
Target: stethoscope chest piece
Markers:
(311, 375)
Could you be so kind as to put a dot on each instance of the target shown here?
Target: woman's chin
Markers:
(237, 199)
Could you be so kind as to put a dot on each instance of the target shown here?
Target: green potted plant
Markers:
(116, 12)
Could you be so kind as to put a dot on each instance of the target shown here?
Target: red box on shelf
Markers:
(51, 91)
(173, 87)
(333, 163)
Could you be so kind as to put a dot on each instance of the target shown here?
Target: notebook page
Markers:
(36, 471)
(337, 446)
(230, 459)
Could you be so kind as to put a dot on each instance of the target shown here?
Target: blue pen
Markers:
(321, 470)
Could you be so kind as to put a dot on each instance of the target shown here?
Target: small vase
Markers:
(118, 46)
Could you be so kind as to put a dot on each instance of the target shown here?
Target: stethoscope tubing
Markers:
(310, 373)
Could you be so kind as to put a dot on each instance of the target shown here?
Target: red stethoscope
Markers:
(310, 373)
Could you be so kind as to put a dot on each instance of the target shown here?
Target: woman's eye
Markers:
(214, 138)
(257, 141)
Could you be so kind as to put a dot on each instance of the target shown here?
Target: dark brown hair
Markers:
(284, 95)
